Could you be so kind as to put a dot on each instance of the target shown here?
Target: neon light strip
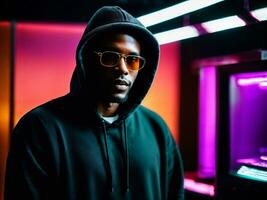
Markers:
(175, 11)
(210, 26)
(250, 81)
(263, 84)
(207, 122)
(260, 14)
(252, 173)
(203, 188)
(176, 34)
(223, 24)
(264, 157)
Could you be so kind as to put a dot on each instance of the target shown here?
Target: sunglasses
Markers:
(112, 59)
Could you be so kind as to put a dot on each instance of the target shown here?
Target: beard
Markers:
(119, 100)
(114, 98)
(109, 91)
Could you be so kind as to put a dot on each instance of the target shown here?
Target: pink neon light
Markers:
(207, 123)
(203, 188)
(263, 158)
(37, 28)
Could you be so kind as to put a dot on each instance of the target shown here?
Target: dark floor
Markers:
(196, 196)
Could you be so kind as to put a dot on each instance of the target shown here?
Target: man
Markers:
(98, 142)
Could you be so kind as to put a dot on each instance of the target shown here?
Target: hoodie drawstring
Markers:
(126, 158)
(107, 159)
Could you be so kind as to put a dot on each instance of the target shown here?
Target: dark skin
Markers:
(115, 83)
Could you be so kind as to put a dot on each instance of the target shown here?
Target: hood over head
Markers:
(108, 19)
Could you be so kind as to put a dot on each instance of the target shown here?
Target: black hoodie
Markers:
(64, 150)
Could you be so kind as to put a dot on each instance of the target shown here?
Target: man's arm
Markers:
(27, 169)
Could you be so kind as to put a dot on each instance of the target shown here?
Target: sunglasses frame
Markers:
(120, 55)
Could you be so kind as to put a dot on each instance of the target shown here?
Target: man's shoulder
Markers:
(149, 113)
(153, 119)
(44, 110)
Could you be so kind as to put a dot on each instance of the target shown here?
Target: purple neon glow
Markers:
(207, 123)
(257, 161)
(203, 188)
(248, 113)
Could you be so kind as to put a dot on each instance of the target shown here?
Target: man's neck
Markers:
(107, 109)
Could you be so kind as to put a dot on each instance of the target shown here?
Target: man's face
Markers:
(115, 82)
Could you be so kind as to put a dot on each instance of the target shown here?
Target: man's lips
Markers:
(121, 84)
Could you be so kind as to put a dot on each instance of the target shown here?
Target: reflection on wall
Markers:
(5, 59)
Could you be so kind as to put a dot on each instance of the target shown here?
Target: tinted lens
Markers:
(110, 58)
(134, 62)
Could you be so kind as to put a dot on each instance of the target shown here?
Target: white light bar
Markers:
(175, 11)
(260, 14)
(176, 34)
(251, 81)
(263, 84)
(210, 26)
(253, 173)
(223, 24)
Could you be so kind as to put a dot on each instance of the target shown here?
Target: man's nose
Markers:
(122, 66)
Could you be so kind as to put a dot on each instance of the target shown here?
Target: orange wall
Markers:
(163, 97)
(5, 58)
